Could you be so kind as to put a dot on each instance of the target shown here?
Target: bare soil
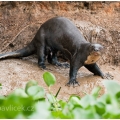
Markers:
(15, 73)
(19, 21)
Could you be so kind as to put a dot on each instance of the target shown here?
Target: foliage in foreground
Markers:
(34, 102)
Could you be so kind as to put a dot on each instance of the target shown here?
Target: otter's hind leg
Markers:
(41, 57)
(52, 58)
(40, 45)
(56, 62)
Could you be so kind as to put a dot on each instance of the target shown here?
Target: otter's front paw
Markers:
(72, 82)
(108, 76)
(42, 65)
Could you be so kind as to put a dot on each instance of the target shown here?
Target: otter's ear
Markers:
(92, 47)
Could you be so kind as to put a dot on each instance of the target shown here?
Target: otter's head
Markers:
(96, 49)
(95, 52)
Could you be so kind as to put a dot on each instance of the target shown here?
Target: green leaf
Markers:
(118, 96)
(49, 78)
(42, 110)
(105, 99)
(67, 110)
(74, 101)
(2, 99)
(51, 98)
(27, 107)
(112, 87)
(0, 86)
(80, 113)
(112, 112)
(20, 92)
(16, 105)
(100, 108)
(87, 100)
(30, 83)
(62, 103)
(36, 91)
(95, 92)
(12, 106)
(59, 114)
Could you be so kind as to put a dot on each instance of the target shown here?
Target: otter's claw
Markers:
(72, 82)
(66, 65)
(108, 76)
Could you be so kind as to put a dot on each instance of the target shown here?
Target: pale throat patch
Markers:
(92, 59)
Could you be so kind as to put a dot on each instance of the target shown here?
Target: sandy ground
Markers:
(15, 73)
(19, 21)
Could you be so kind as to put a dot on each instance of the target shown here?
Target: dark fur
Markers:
(59, 34)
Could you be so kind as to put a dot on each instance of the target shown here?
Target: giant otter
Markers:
(60, 34)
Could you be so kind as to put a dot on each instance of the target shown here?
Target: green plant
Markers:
(0, 86)
(34, 102)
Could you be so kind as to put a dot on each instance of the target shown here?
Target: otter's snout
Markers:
(97, 47)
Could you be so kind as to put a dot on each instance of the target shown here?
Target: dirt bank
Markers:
(19, 21)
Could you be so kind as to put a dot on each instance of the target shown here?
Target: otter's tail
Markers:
(24, 52)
